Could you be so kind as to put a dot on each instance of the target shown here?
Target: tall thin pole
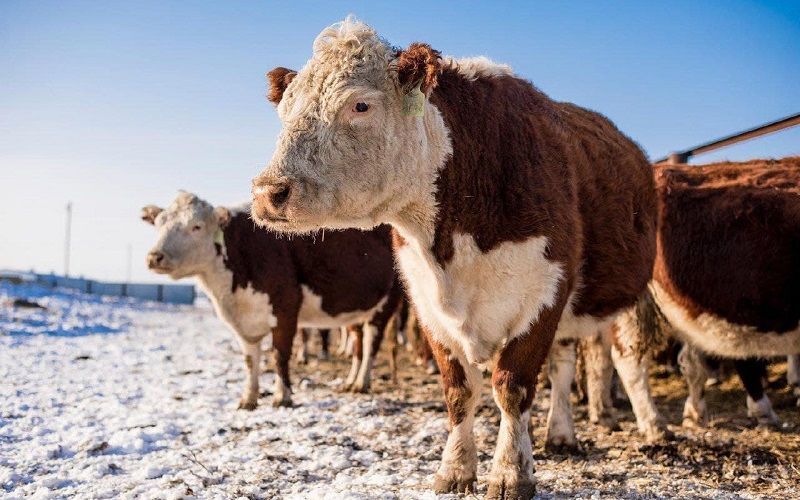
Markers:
(67, 237)
(128, 268)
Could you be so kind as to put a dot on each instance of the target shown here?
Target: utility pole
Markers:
(67, 237)
(128, 269)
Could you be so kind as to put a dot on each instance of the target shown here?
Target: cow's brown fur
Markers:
(729, 240)
(279, 79)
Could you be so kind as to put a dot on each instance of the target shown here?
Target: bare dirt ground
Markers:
(730, 458)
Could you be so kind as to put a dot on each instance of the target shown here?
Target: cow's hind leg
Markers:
(599, 371)
(758, 405)
(793, 374)
(302, 353)
(251, 350)
(631, 365)
(461, 382)
(357, 335)
(694, 371)
(371, 340)
(560, 427)
(324, 336)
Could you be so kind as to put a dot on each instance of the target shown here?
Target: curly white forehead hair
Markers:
(349, 37)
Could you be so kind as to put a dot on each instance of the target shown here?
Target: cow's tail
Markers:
(651, 324)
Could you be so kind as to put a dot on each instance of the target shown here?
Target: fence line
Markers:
(173, 294)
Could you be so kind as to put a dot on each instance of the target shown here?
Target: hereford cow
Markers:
(261, 282)
(517, 219)
(727, 271)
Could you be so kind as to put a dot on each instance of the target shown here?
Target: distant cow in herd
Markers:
(262, 283)
(727, 271)
(518, 220)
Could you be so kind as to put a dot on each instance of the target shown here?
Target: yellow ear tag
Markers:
(414, 102)
(219, 238)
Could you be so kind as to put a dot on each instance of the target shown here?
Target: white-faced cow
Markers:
(727, 271)
(517, 219)
(262, 283)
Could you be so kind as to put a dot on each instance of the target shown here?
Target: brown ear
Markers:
(419, 63)
(223, 216)
(150, 212)
(279, 79)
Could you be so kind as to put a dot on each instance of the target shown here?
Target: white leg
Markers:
(252, 362)
(632, 369)
(693, 367)
(511, 476)
(365, 370)
(762, 411)
(561, 369)
(793, 374)
(459, 468)
(341, 347)
(281, 394)
(597, 357)
(302, 353)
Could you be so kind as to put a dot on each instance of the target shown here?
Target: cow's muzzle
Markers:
(158, 261)
(271, 198)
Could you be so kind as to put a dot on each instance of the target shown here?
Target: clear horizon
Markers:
(114, 106)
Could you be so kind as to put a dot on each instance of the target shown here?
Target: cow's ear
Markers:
(279, 79)
(418, 64)
(150, 212)
(223, 216)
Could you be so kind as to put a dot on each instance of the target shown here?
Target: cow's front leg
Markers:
(461, 382)
(251, 352)
(793, 374)
(356, 333)
(370, 343)
(513, 386)
(282, 338)
(560, 428)
(302, 353)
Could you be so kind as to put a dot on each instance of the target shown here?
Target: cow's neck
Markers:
(217, 281)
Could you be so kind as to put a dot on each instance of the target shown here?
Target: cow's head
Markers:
(349, 155)
(188, 236)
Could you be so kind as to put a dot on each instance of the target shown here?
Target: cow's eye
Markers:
(196, 228)
(361, 107)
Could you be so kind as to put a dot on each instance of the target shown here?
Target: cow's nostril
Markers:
(279, 194)
(156, 257)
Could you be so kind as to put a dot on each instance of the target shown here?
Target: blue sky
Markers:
(115, 105)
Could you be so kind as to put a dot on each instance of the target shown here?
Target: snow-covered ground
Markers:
(112, 398)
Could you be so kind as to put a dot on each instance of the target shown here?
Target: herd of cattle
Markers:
(510, 226)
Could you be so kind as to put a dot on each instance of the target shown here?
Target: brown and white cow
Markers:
(518, 219)
(261, 282)
(727, 271)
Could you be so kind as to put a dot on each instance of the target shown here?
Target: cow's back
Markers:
(617, 203)
(729, 241)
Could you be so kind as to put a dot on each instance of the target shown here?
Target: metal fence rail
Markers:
(767, 128)
(173, 294)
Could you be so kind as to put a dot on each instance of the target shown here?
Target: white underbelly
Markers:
(716, 335)
(312, 315)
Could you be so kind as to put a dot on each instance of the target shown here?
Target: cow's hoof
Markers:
(693, 422)
(501, 490)
(282, 402)
(606, 421)
(561, 445)
(658, 434)
(455, 485)
(359, 388)
(248, 405)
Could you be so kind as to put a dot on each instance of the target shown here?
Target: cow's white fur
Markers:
(762, 411)
(312, 315)
(694, 370)
(715, 335)
(632, 371)
(513, 458)
(560, 428)
(460, 303)
(362, 381)
(474, 67)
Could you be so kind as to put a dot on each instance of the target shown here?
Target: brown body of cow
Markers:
(519, 220)
(727, 272)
